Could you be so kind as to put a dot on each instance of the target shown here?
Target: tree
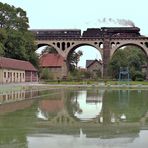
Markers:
(131, 57)
(3, 37)
(49, 49)
(74, 59)
(16, 41)
(118, 60)
(13, 18)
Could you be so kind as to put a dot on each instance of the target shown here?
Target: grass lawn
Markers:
(127, 82)
(96, 82)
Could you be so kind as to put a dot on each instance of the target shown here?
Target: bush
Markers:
(46, 74)
(139, 79)
(138, 76)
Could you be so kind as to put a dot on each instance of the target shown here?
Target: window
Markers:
(8, 74)
(4, 74)
(34, 74)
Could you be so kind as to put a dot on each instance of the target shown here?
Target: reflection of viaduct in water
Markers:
(64, 122)
(58, 106)
(63, 115)
(106, 116)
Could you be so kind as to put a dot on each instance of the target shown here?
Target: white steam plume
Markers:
(122, 22)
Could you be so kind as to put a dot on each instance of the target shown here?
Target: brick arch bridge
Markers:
(106, 40)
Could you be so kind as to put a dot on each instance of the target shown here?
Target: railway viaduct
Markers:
(107, 42)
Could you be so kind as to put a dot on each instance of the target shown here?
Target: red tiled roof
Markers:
(51, 60)
(91, 62)
(16, 64)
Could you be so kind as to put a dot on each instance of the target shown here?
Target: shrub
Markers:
(46, 74)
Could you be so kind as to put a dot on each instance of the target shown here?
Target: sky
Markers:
(83, 14)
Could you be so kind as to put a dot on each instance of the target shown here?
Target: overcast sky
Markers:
(82, 14)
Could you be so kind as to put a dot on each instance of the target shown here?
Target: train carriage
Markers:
(57, 33)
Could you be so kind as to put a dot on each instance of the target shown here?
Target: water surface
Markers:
(63, 118)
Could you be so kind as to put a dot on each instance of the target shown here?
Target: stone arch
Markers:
(68, 44)
(146, 44)
(139, 45)
(100, 44)
(72, 49)
(63, 46)
(118, 44)
(52, 44)
(75, 46)
(40, 45)
(113, 44)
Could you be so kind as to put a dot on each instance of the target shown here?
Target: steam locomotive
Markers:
(112, 32)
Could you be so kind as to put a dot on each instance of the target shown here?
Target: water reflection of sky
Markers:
(70, 141)
(89, 108)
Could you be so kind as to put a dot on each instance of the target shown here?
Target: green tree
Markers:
(130, 56)
(13, 18)
(74, 59)
(48, 49)
(118, 60)
(15, 39)
(3, 37)
(136, 57)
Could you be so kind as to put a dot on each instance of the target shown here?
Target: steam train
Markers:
(56, 34)
(112, 32)
(89, 33)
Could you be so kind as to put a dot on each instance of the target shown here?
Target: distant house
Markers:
(55, 63)
(94, 67)
(15, 71)
(82, 69)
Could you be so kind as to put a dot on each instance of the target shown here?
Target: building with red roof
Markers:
(54, 63)
(13, 71)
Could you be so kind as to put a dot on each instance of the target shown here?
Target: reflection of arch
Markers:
(88, 101)
(139, 45)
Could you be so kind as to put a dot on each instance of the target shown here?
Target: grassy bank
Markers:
(127, 82)
(55, 84)
(97, 82)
